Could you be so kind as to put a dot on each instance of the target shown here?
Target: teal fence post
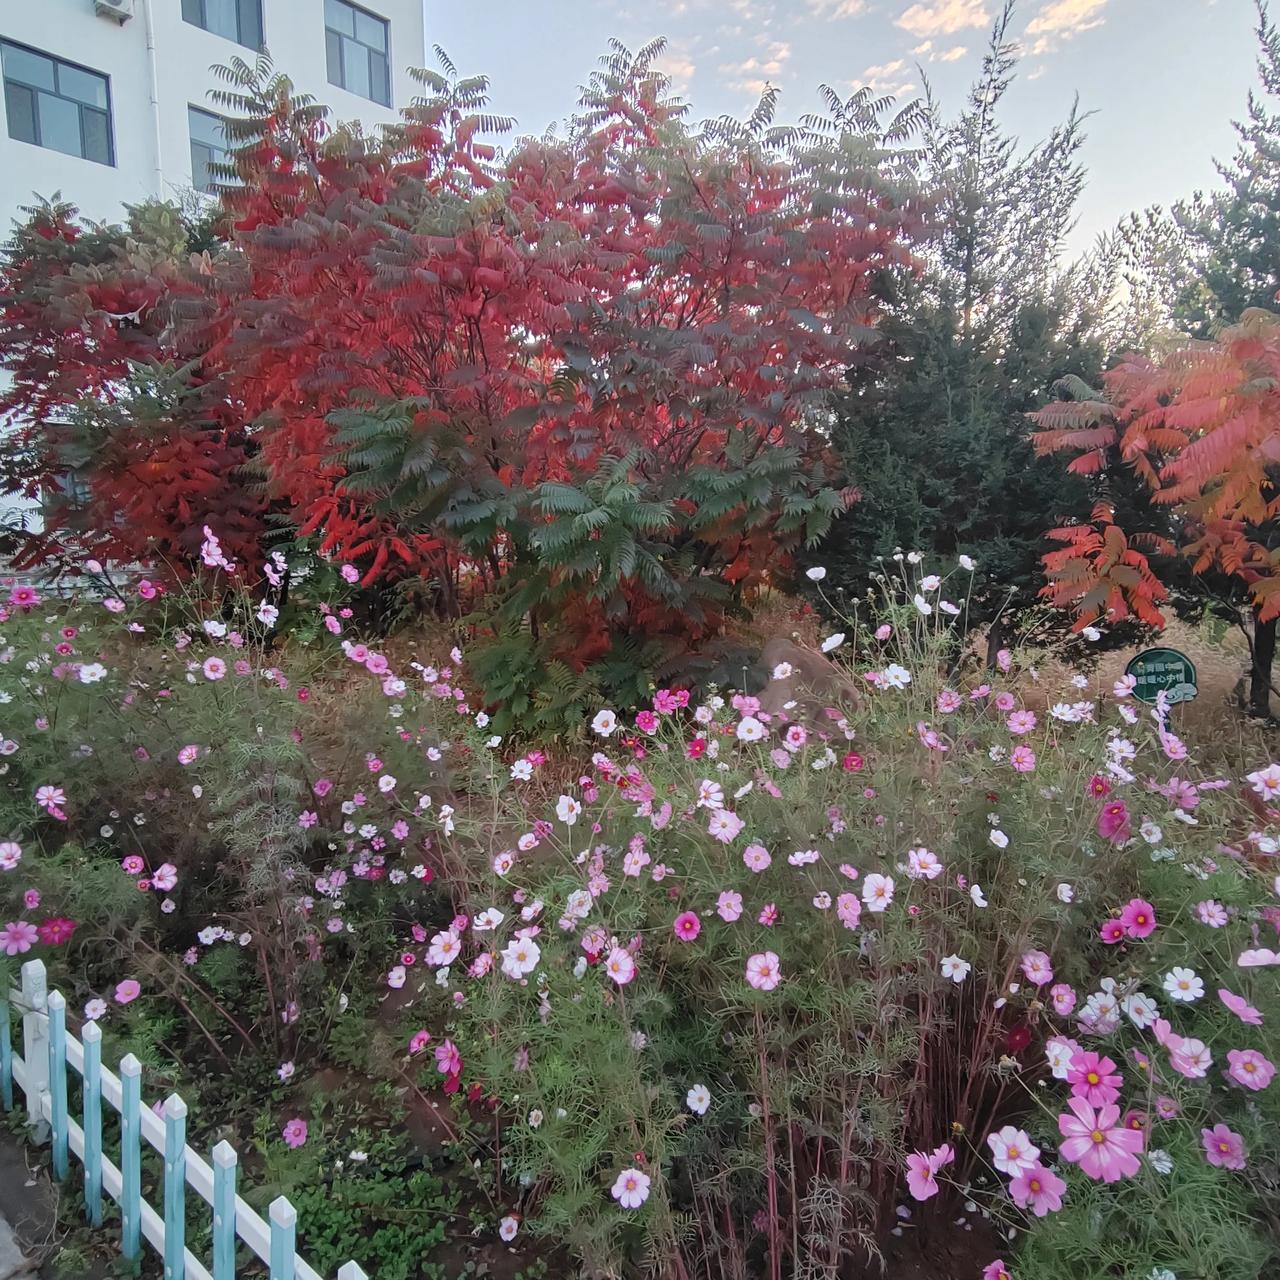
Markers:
(175, 1187)
(130, 1156)
(91, 1037)
(284, 1227)
(6, 1058)
(224, 1211)
(57, 1007)
(351, 1271)
(35, 1048)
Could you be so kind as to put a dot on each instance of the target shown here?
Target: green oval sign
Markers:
(1167, 669)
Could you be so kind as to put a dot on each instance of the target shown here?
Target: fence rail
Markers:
(48, 1052)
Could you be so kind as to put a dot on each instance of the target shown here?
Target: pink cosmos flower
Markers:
(1223, 1147)
(1063, 997)
(646, 721)
(127, 991)
(631, 1189)
(921, 1169)
(448, 1059)
(1189, 1057)
(996, 1271)
(764, 971)
(188, 754)
(1021, 722)
(1212, 913)
(1104, 1150)
(1095, 1079)
(294, 1133)
(1240, 1007)
(1138, 918)
(687, 926)
(729, 906)
(1250, 1068)
(849, 910)
(1022, 758)
(1038, 1189)
(1037, 968)
(724, 824)
(133, 864)
(756, 857)
(620, 966)
(18, 936)
(1113, 822)
(214, 668)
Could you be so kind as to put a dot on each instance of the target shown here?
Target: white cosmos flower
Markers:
(967, 563)
(567, 810)
(833, 642)
(750, 729)
(975, 892)
(1065, 893)
(698, 1099)
(955, 968)
(520, 957)
(605, 722)
(816, 574)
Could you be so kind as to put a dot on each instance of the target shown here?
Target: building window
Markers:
(358, 47)
(209, 149)
(56, 104)
(238, 20)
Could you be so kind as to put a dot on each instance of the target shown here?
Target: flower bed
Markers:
(708, 992)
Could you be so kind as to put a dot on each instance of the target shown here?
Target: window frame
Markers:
(80, 104)
(369, 49)
(194, 142)
(238, 38)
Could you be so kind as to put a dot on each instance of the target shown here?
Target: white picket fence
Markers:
(48, 1051)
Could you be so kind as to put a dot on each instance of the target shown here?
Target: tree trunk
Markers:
(996, 638)
(1264, 652)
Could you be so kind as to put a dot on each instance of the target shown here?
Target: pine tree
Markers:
(934, 434)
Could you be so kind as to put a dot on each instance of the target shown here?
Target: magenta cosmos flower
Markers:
(996, 1271)
(921, 1169)
(1113, 822)
(1138, 918)
(1094, 1079)
(1223, 1147)
(687, 926)
(127, 991)
(1250, 1068)
(1105, 1150)
(294, 1133)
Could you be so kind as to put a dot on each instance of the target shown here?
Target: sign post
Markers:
(1163, 669)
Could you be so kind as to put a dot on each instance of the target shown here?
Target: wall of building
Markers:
(153, 156)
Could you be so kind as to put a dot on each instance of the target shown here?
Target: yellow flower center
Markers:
(1098, 1136)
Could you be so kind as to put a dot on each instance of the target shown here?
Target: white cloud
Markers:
(887, 77)
(944, 17)
(930, 54)
(754, 74)
(1062, 20)
(677, 64)
(832, 9)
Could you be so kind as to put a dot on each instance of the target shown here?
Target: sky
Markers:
(1164, 78)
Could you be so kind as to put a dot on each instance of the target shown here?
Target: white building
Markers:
(105, 101)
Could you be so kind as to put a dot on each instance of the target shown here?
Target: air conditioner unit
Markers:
(120, 10)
